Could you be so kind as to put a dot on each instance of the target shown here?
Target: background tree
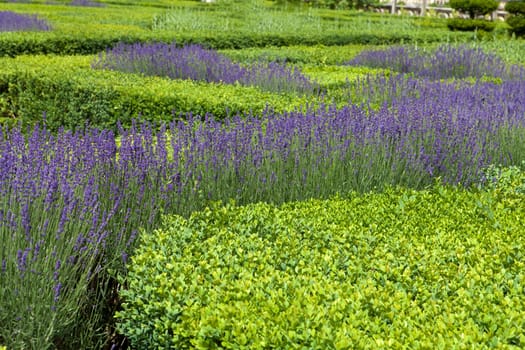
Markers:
(474, 8)
(516, 20)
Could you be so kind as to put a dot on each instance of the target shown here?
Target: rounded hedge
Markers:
(436, 269)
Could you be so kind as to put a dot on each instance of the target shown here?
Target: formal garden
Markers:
(177, 174)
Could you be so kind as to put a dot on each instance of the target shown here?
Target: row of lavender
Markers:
(200, 64)
(71, 204)
(12, 21)
(444, 62)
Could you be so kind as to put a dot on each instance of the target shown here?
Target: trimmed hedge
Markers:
(73, 95)
(318, 54)
(83, 44)
(336, 79)
(471, 25)
(14, 44)
(442, 268)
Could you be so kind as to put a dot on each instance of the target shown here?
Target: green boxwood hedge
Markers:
(436, 269)
(317, 54)
(84, 43)
(73, 95)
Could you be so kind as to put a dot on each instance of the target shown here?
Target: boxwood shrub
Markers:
(442, 268)
(317, 54)
(73, 95)
(91, 43)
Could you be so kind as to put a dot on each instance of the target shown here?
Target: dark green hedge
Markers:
(516, 21)
(517, 24)
(466, 25)
(13, 44)
(515, 7)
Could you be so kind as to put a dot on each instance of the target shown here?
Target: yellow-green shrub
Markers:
(318, 54)
(338, 76)
(73, 95)
(436, 269)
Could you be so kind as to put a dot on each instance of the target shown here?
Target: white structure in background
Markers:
(420, 7)
(418, 3)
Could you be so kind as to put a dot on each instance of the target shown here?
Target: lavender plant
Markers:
(12, 21)
(88, 3)
(442, 63)
(64, 221)
(197, 63)
(315, 153)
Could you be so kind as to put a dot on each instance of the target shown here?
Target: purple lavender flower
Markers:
(58, 264)
(26, 221)
(197, 63)
(37, 248)
(445, 62)
(57, 290)
(87, 3)
(12, 21)
(21, 256)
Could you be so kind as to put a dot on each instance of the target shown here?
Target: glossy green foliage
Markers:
(506, 180)
(73, 95)
(435, 269)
